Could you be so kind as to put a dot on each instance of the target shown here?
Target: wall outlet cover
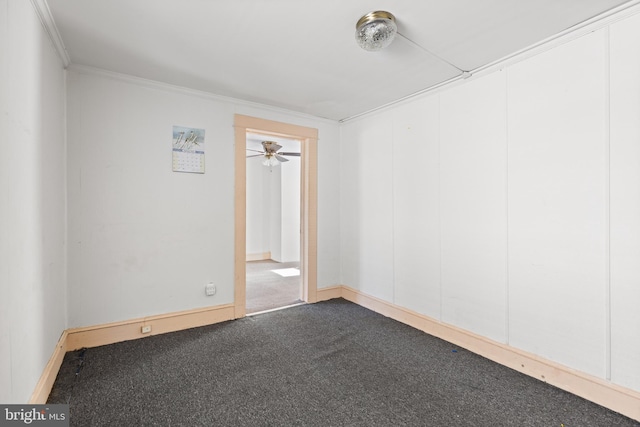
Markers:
(210, 289)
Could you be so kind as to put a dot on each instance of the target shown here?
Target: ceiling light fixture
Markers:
(270, 160)
(376, 30)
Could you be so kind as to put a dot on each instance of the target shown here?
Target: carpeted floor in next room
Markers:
(332, 363)
(271, 284)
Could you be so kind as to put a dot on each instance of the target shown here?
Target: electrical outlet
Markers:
(145, 329)
(210, 289)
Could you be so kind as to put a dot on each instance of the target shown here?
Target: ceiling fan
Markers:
(271, 155)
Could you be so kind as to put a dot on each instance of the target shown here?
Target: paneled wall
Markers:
(32, 200)
(624, 207)
(473, 210)
(558, 167)
(509, 205)
(367, 216)
(416, 216)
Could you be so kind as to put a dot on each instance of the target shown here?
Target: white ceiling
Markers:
(301, 54)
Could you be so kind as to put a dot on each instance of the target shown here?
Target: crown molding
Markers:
(155, 84)
(583, 28)
(44, 14)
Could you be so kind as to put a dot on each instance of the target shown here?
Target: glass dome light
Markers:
(376, 30)
(270, 160)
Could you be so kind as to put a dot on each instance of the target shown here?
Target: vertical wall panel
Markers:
(6, 394)
(473, 206)
(416, 212)
(367, 206)
(557, 204)
(32, 200)
(625, 202)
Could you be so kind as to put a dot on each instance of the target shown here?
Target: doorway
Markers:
(272, 222)
(308, 203)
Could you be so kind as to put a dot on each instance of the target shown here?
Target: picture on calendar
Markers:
(188, 149)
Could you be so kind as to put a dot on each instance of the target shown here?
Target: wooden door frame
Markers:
(308, 138)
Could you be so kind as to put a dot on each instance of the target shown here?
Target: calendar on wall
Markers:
(188, 149)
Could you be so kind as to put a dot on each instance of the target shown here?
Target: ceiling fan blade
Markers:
(290, 154)
(270, 146)
(280, 158)
(255, 155)
(257, 151)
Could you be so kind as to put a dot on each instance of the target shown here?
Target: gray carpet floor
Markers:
(267, 290)
(332, 363)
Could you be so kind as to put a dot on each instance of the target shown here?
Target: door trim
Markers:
(308, 199)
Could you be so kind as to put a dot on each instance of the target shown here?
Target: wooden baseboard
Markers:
(48, 377)
(325, 294)
(110, 333)
(619, 399)
(259, 257)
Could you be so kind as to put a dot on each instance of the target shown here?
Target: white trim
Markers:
(154, 84)
(590, 25)
(593, 24)
(44, 14)
(431, 89)
(607, 210)
(507, 282)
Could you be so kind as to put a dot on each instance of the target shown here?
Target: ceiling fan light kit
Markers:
(270, 161)
(376, 30)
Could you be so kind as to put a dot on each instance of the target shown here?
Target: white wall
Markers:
(32, 194)
(557, 204)
(509, 205)
(366, 206)
(289, 210)
(624, 207)
(416, 215)
(143, 239)
(258, 186)
(273, 209)
(473, 183)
